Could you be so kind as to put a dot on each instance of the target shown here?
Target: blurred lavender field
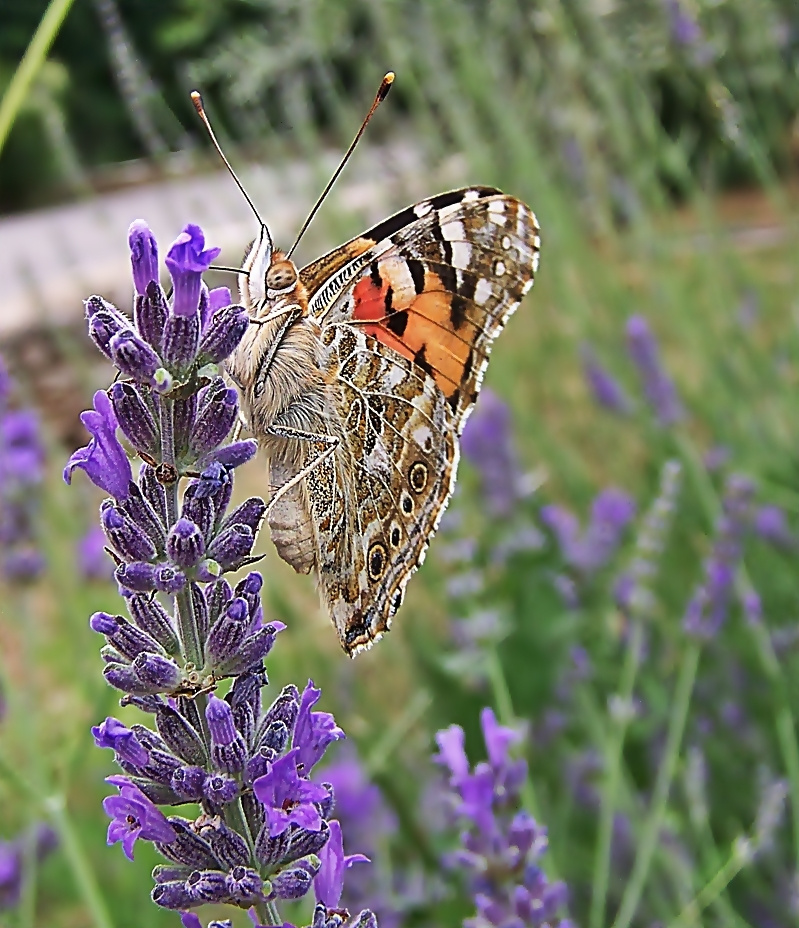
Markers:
(586, 712)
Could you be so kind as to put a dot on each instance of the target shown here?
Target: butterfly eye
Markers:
(281, 275)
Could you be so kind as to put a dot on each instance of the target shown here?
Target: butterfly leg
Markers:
(286, 431)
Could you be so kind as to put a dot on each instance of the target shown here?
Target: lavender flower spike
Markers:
(501, 845)
(606, 390)
(658, 386)
(261, 829)
(103, 459)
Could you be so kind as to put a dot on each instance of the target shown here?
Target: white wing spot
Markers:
(482, 291)
(461, 255)
(453, 231)
(423, 209)
(470, 196)
(528, 283)
(537, 241)
(499, 268)
(506, 242)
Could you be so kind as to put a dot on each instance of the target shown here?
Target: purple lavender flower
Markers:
(589, 550)
(289, 798)
(329, 882)
(606, 390)
(103, 459)
(772, 526)
(708, 607)
(188, 259)
(134, 816)
(487, 442)
(263, 825)
(658, 386)
(501, 844)
(13, 858)
(93, 561)
(685, 30)
(21, 469)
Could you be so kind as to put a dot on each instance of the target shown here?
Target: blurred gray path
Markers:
(51, 260)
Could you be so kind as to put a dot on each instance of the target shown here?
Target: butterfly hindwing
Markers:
(408, 312)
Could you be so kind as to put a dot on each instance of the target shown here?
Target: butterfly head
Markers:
(269, 280)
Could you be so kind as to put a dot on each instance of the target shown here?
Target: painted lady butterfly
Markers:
(357, 377)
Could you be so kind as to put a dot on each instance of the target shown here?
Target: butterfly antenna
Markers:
(197, 100)
(382, 93)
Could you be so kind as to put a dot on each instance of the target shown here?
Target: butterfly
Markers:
(357, 375)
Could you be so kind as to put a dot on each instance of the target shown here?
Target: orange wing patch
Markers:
(412, 310)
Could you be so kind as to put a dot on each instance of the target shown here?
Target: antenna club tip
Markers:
(385, 85)
(197, 100)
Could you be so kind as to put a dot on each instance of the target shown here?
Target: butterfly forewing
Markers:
(408, 312)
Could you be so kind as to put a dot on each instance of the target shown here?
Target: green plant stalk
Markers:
(81, 868)
(660, 795)
(711, 891)
(396, 733)
(27, 908)
(507, 717)
(31, 63)
(613, 764)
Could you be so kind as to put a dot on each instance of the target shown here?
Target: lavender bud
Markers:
(143, 255)
(208, 886)
(214, 421)
(231, 546)
(249, 513)
(150, 312)
(199, 509)
(293, 883)
(229, 848)
(220, 789)
(228, 750)
(244, 885)
(254, 649)
(246, 690)
(327, 805)
(258, 764)
(126, 638)
(227, 633)
(133, 356)
(128, 539)
(305, 842)
(283, 709)
(172, 895)
(122, 740)
(135, 419)
(138, 577)
(188, 848)
(138, 509)
(103, 326)
(221, 337)
(188, 782)
(161, 674)
(271, 851)
(185, 544)
(230, 456)
(124, 677)
(148, 703)
(152, 618)
(275, 737)
(181, 339)
(164, 873)
(217, 595)
(366, 919)
(200, 610)
(244, 718)
(160, 767)
(184, 413)
(188, 709)
(180, 736)
(152, 491)
(168, 580)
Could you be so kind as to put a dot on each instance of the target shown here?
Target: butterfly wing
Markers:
(408, 312)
